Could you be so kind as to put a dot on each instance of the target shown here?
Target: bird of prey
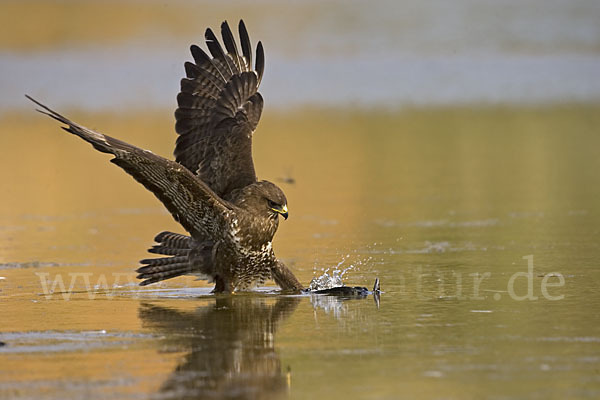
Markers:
(211, 188)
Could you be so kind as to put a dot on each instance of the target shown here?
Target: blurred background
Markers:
(109, 55)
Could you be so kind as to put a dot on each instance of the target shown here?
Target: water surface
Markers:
(441, 204)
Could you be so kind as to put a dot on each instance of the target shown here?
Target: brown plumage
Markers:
(211, 188)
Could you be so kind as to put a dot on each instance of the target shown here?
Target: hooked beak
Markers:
(283, 210)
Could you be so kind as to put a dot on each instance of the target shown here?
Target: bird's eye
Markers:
(272, 204)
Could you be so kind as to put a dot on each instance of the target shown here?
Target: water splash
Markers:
(335, 278)
(327, 281)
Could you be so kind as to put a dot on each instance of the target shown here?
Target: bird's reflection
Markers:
(230, 345)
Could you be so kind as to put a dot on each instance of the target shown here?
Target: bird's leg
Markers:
(284, 278)
(219, 285)
(222, 285)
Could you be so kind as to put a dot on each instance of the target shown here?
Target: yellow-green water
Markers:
(441, 204)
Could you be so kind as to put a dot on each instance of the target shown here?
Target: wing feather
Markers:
(246, 46)
(202, 59)
(230, 45)
(253, 108)
(207, 80)
(218, 109)
(260, 61)
(199, 55)
(191, 202)
(219, 55)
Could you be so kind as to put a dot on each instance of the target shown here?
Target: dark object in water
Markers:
(350, 291)
(2, 344)
(376, 287)
(345, 291)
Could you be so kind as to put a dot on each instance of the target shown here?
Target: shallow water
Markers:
(460, 212)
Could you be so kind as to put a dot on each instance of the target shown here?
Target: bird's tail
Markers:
(177, 248)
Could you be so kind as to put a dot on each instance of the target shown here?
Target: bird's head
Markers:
(276, 202)
(263, 198)
(265, 201)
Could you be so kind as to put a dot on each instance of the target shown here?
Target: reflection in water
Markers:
(335, 305)
(230, 345)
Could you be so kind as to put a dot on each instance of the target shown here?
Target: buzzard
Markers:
(211, 188)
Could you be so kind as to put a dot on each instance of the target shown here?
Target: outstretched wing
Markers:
(218, 109)
(193, 204)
